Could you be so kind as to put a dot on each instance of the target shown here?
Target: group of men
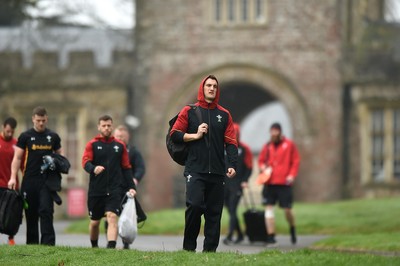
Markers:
(107, 158)
(216, 170)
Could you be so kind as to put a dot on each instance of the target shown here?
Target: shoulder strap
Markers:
(199, 117)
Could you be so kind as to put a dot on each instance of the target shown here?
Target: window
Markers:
(217, 10)
(377, 138)
(396, 142)
(239, 12)
(380, 145)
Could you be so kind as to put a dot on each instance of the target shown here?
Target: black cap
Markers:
(276, 126)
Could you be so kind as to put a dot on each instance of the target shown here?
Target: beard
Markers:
(276, 139)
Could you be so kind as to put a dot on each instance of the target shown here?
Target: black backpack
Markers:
(179, 151)
(11, 206)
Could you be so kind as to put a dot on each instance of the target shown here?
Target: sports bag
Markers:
(179, 151)
(11, 206)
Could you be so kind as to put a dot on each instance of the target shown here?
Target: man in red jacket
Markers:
(7, 143)
(281, 156)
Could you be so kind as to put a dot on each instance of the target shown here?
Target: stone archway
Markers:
(272, 82)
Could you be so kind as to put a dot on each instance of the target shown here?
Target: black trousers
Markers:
(204, 196)
(232, 198)
(40, 209)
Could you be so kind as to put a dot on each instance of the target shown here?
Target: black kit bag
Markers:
(179, 151)
(254, 219)
(11, 207)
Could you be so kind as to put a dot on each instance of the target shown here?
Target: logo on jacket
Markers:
(188, 178)
(116, 148)
(48, 138)
(99, 147)
(219, 118)
(32, 138)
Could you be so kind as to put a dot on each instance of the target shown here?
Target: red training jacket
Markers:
(284, 160)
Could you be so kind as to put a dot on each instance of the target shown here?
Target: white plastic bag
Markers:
(127, 224)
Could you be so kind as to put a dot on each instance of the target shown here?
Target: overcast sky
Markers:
(118, 14)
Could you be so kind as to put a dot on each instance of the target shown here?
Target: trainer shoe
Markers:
(293, 237)
(270, 240)
(239, 239)
(227, 241)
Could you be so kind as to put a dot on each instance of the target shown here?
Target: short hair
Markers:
(211, 77)
(122, 128)
(40, 111)
(277, 126)
(104, 118)
(11, 122)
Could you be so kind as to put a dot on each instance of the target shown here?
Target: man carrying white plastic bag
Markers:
(127, 224)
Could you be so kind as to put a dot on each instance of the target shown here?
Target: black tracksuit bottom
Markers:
(232, 199)
(40, 208)
(204, 196)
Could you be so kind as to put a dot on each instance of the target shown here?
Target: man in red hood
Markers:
(279, 154)
(205, 166)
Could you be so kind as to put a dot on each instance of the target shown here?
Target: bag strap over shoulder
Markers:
(199, 116)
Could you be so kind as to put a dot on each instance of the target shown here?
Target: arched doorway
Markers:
(255, 109)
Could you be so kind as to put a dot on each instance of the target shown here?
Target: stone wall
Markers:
(294, 56)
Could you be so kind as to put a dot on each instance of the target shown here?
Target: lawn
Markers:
(364, 225)
(368, 231)
(43, 255)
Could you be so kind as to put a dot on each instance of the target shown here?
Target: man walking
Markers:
(106, 160)
(205, 166)
(138, 170)
(234, 188)
(280, 156)
(33, 144)
(7, 143)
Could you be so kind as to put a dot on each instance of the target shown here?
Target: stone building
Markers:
(333, 65)
(317, 58)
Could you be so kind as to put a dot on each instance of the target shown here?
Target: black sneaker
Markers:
(239, 239)
(270, 240)
(126, 245)
(227, 241)
(293, 237)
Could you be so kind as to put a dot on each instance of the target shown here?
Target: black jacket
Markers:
(207, 156)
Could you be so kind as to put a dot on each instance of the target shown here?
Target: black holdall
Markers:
(11, 207)
(179, 151)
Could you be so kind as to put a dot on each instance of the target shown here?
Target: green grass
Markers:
(43, 255)
(353, 216)
(371, 224)
(357, 225)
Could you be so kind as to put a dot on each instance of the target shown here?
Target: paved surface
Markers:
(166, 243)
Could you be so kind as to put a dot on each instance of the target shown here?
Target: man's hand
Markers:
(132, 192)
(12, 183)
(98, 169)
(289, 180)
(231, 172)
(202, 129)
(244, 185)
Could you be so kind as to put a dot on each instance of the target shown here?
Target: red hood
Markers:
(200, 96)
